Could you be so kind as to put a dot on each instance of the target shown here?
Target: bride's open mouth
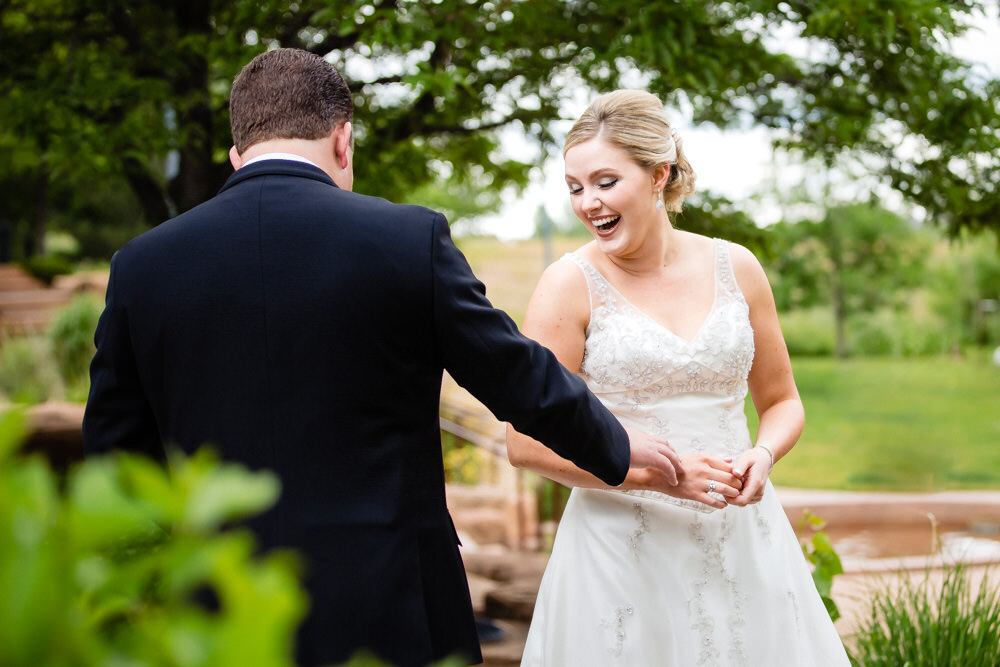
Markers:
(607, 224)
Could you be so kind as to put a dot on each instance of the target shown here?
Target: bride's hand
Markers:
(648, 452)
(752, 466)
(700, 475)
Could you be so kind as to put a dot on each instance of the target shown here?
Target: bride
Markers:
(670, 330)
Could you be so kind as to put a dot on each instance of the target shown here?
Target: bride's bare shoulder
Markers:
(561, 294)
(564, 276)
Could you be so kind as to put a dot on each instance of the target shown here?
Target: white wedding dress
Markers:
(640, 578)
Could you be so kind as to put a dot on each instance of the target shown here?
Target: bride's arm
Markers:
(772, 386)
(557, 317)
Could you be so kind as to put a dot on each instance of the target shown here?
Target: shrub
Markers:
(873, 334)
(809, 332)
(824, 561)
(918, 625)
(103, 569)
(887, 332)
(46, 267)
(27, 374)
(72, 339)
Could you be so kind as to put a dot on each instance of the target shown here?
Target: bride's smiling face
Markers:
(612, 195)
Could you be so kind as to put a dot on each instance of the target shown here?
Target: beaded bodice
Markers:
(688, 392)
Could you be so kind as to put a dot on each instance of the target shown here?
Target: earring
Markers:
(659, 202)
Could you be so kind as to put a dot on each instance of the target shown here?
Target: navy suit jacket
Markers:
(302, 328)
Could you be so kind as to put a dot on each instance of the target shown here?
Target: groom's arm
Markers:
(118, 416)
(520, 381)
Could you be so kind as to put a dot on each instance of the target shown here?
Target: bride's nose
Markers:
(591, 202)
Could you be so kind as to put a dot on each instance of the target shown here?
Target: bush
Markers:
(917, 625)
(823, 560)
(27, 374)
(902, 334)
(72, 339)
(873, 334)
(103, 569)
(809, 332)
(46, 267)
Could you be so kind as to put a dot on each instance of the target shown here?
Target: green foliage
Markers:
(963, 281)
(99, 92)
(893, 333)
(104, 569)
(929, 624)
(824, 561)
(464, 465)
(717, 217)
(72, 338)
(47, 267)
(27, 371)
(808, 332)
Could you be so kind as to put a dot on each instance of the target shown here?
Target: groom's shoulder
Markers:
(383, 210)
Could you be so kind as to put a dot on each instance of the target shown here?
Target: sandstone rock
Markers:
(56, 430)
(515, 602)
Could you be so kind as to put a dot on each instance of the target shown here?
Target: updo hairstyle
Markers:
(634, 121)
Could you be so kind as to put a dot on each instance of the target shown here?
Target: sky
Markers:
(711, 152)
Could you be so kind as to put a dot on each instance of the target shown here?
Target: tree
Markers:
(856, 259)
(121, 87)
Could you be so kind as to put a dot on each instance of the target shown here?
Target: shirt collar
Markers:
(279, 156)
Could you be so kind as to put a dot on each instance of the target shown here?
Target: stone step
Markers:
(513, 602)
(491, 514)
(482, 525)
(506, 652)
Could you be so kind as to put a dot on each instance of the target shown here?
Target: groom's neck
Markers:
(318, 151)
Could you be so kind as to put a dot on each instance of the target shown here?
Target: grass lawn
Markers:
(871, 423)
(896, 424)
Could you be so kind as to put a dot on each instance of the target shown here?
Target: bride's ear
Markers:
(660, 177)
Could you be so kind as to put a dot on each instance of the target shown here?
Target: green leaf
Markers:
(12, 423)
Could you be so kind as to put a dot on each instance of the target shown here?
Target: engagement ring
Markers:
(711, 486)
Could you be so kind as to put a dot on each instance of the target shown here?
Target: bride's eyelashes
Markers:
(606, 185)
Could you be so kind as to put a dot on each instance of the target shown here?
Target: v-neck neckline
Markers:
(654, 321)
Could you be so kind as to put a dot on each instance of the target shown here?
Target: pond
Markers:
(978, 542)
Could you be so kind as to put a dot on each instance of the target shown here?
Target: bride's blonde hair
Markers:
(634, 120)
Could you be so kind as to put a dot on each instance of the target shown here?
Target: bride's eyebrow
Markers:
(602, 171)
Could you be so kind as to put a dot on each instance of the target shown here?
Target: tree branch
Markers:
(354, 85)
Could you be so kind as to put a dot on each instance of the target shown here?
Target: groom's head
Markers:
(287, 94)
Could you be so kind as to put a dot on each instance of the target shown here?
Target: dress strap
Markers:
(601, 297)
(725, 276)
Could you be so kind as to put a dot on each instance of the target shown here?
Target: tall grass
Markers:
(917, 624)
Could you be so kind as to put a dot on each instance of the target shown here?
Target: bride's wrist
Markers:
(770, 455)
(639, 479)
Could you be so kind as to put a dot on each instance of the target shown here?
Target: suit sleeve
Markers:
(118, 415)
(519, 380)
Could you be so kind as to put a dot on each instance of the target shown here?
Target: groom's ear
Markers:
(234, 158)
(343, 144)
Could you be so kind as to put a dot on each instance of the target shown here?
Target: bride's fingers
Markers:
(713, 501)
(730, 479)
(720, 464)
(720, 486)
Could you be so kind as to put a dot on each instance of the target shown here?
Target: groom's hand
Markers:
(647, 452)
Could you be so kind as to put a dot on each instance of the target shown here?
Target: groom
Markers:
(302, 328)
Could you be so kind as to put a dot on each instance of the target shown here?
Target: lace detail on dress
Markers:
(640, 529)
(644, 373)
(703, 624)
(618, 627)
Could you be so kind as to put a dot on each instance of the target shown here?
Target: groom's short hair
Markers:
(287, 94)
